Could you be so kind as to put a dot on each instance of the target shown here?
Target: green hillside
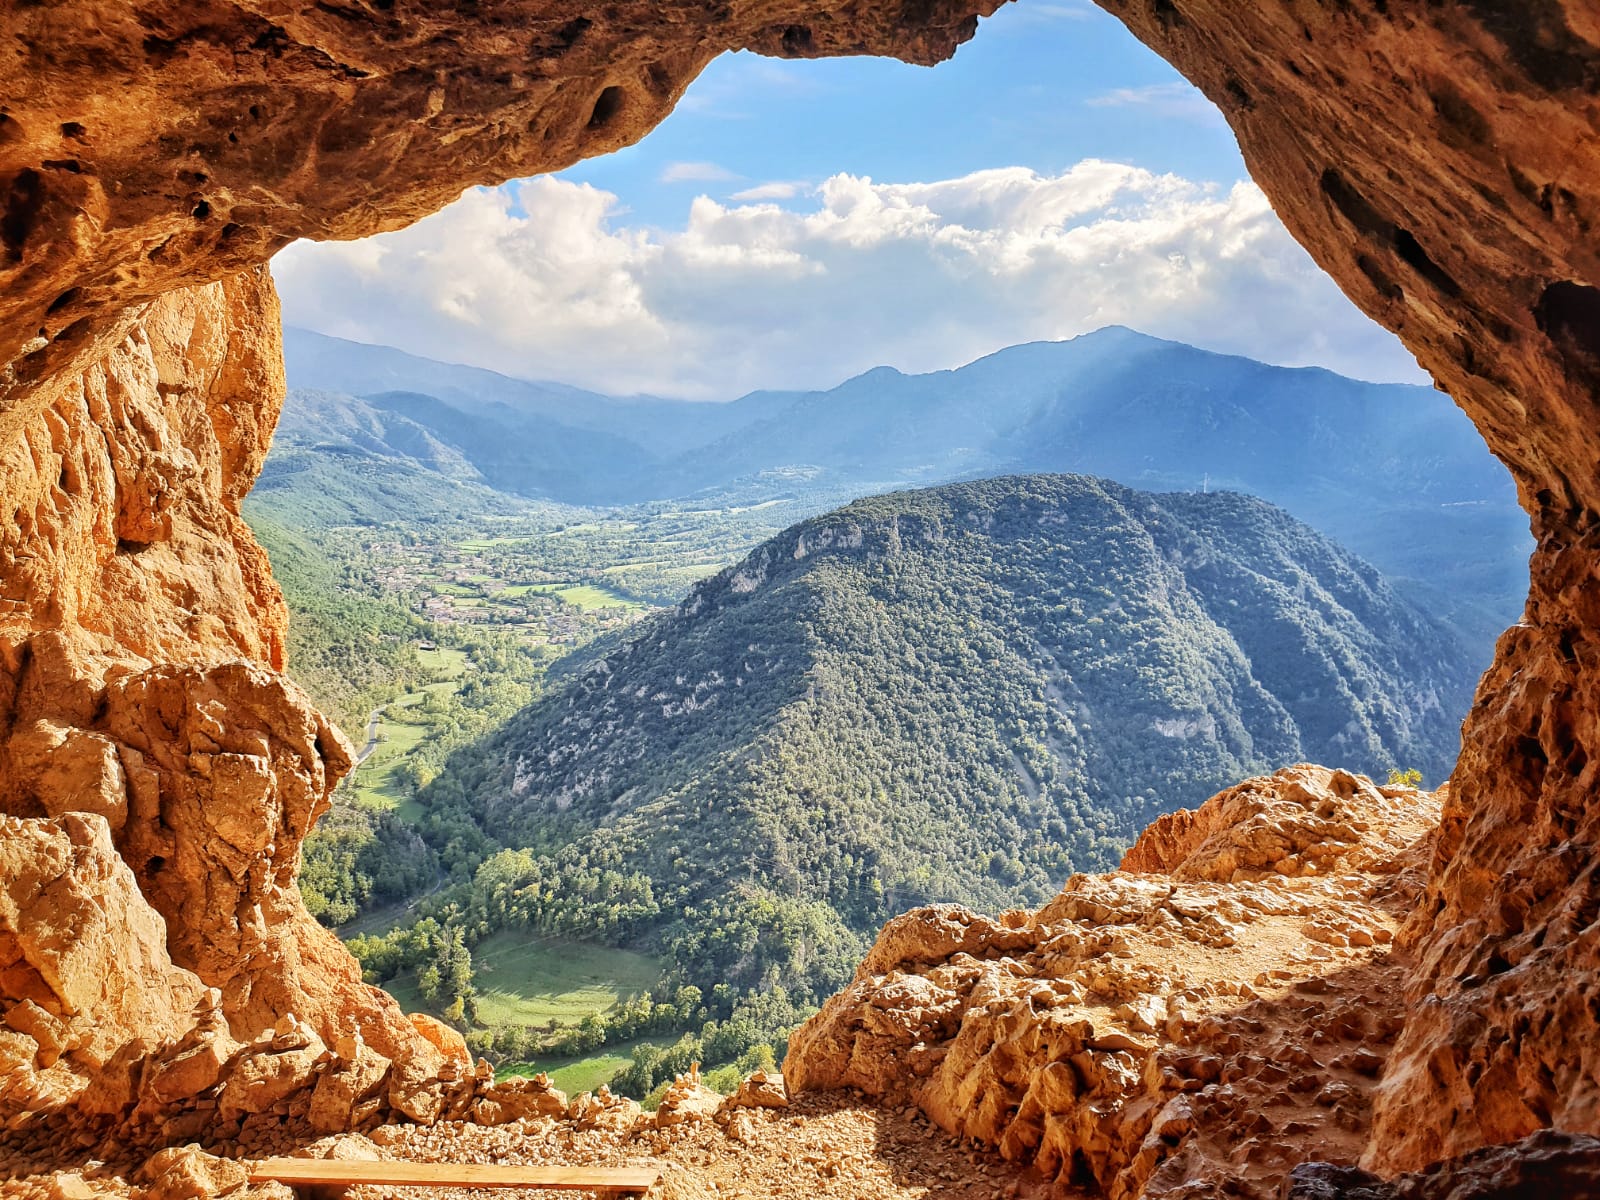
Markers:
(960, 693)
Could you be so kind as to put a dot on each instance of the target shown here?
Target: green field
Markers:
(523, 979)
(376, 783)
(537, 589)
(444, 660)
(478, 545)
(574, 1075)
(594, 597)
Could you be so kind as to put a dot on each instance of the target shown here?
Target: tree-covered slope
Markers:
(964, 692)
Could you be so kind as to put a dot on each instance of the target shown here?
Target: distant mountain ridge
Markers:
(963, 692)
(1395, 472)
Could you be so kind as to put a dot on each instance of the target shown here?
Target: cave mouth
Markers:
(331, 275)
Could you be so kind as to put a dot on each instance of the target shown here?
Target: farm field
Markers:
(523, 979)
(403, 726)
(574, 1075)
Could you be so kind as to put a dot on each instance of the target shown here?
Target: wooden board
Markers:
(472, 1175)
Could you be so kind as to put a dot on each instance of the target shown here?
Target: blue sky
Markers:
(1042, 85)
(795, 223)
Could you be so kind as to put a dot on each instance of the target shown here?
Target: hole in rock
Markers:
(606, 107)
(1167, 13)
(1569, 314)
(24, 199)
(1412, 253)
(797, 40)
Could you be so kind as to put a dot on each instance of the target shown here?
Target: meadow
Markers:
(523, 979)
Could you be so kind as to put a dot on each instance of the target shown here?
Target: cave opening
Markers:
(810, 228)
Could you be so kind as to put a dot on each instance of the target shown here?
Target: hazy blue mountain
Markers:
(1395, 472)
(667, 427)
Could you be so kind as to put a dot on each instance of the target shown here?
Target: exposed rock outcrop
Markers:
(1440, 161)
(157, 771)
(1220, 1011)
(84, 968)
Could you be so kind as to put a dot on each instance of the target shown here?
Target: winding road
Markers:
(372, 737)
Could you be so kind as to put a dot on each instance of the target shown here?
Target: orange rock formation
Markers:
(1221, 1008)
(1439, 160)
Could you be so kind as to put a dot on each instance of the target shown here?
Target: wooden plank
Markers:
(471, 1175)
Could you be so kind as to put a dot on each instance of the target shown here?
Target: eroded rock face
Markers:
(153, 760)
(1440, 161)
(84, 968)
(1221, 1014)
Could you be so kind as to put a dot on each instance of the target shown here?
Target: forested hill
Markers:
(964, 692)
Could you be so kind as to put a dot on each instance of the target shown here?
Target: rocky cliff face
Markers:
(1440, 163)
(1219, 1009)
(1439, 160)
(157, 773)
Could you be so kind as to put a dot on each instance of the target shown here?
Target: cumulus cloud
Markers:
(545, 279)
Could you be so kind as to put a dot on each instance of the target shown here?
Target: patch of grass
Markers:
(536, 589)
(446, 659)
(376, 783)
(400, 731)
(594, 597)
(574, 1075)
(523, 979)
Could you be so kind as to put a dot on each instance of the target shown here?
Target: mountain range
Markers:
(1395, 472)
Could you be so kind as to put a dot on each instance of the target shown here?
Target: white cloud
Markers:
(778, 190)
(696, 172)
(542, 279)
(1176, 99)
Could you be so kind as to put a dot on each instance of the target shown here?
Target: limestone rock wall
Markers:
(157, 772)
(84, 968)
(1442, 163)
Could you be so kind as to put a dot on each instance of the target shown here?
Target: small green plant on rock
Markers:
(1411, 777)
